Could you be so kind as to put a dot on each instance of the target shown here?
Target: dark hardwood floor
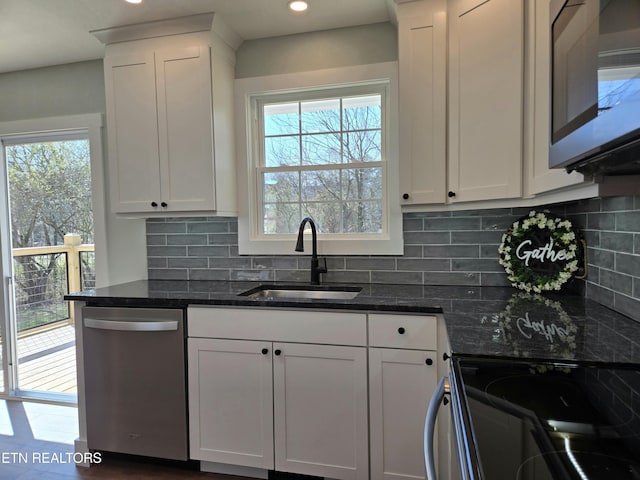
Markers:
(36, 443)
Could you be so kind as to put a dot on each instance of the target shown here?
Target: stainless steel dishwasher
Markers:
(135, 387)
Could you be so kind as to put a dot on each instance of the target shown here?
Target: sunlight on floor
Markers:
(49, 423)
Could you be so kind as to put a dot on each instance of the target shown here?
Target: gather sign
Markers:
(540, 252)
(526, 251)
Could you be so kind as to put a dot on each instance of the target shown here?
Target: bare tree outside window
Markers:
(50, 196)
(50, 192)
(323, 158)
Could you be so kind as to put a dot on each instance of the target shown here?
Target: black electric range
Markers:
(548, 420)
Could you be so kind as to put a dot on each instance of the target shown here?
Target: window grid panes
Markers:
(323, 158)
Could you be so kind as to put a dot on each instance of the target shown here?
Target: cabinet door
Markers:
(132, 132)
(401, 385)
(320, 410)
(423, 101)
(231, 402)
(185, 128)
(486, 99)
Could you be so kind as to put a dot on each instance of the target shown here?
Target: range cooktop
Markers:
(550, 421)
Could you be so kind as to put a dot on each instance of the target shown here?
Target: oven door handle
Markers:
(430, 426)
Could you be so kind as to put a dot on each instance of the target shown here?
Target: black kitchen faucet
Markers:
(316, 270)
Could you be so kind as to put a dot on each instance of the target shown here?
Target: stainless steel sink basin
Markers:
(319, 292)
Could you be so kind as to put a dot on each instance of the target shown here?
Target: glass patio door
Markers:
(47, 250)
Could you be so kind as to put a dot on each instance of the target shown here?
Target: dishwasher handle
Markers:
(430, 427)
(131, 325)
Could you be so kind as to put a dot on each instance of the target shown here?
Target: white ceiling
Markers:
(37, 33)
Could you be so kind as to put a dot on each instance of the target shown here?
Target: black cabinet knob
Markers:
(265, 351)
(451, 194)
(277, 352)
(154, 204)
(428, 361)
(445, 357)
(401, 330)
(405, 196)
(163, 204)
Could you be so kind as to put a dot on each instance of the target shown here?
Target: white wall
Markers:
(342, 47)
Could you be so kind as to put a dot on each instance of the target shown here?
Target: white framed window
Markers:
(325, 150)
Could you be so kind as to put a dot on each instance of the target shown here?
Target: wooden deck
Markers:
(47, 361)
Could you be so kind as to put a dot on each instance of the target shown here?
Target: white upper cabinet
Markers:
(486, 72)
(461, 129)
(165, 153)
(475, 101)
(131, 100)
(422, 39)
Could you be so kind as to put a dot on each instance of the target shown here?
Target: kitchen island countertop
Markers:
(481, 321)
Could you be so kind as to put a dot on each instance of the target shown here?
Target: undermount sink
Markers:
(314, 292)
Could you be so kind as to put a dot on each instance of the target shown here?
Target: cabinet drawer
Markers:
(301, 326)
(403, 331)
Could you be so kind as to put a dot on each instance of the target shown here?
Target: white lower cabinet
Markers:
(231, 402)
(283, 405)
(320, 410)
(401, 384)
(403, 373)
(337, 395)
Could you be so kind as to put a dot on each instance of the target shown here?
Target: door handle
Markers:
(430, 426)
(131, 326)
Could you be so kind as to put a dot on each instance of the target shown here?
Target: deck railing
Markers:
(43, 275)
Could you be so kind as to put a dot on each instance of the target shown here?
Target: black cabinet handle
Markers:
(265, 351)
(445, 357)
(405, 196)
(451, 194)
(401, 330)
(277, 352)
(154, 204)
(163, 204)
(428, 361)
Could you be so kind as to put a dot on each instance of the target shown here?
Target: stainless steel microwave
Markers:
(595, 86)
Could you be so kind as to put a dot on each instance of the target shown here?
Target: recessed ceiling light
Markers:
(133, 1)
(298, 5)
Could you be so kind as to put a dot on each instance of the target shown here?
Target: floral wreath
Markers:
(555, 262)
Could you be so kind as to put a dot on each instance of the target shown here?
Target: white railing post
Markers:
(72, 241)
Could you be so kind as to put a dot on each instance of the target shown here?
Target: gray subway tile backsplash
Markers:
(441, 248)
(617, 241)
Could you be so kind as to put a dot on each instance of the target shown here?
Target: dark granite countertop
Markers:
(481, 321)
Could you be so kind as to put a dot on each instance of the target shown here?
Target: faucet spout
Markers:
(316, 270)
